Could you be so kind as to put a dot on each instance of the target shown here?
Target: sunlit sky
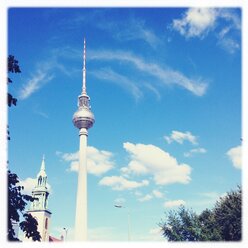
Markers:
(165, 89)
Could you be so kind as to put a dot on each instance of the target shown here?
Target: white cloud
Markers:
(74, 166)
(164, 75)
(98, 161)
(29, 184)
(134, 167)
(69, 156)
(149, 159)
(235, 155)
(196, 22)
(175, 203)
(157, 194)
(180, 137)
(223, 22)
(147, 197)
(121, 183)
(194, 151)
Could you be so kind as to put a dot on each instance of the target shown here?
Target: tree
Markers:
(182, 225)
(17, 201)
(228, 215)
(222, 223)
(16, 206)
(13, 67)
(209, 228)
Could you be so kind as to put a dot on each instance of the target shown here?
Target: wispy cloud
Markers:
(121, 80)
(46, 70)
(38, 80)
(164, 75)
(195, 151)
(43, 114)
(131, 29)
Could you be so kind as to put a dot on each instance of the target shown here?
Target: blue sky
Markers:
(165, 88)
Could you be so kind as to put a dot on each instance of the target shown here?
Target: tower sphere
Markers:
(83, 118)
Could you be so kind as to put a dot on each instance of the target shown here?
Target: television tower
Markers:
(83, 119)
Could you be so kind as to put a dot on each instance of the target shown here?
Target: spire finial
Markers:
(43, 163)
(84, 69)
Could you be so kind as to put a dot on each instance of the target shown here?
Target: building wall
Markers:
(43, 218)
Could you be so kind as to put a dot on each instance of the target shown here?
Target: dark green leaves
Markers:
(16, 207)
(222, 223)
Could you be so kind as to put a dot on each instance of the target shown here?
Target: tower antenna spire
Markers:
(84, 69)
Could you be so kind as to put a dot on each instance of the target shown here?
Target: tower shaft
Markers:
(81, 204)
(83, 119)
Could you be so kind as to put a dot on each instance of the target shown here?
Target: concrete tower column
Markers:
(81, 207)
(83, 119)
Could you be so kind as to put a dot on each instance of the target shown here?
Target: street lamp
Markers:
(128, 220)
(66, 230)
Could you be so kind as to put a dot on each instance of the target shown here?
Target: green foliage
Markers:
(16, 206)
(29, 226)
(228, 214)
(222, 223)
(17, 201)
(209, 228)
(182, 225)
(13, 67)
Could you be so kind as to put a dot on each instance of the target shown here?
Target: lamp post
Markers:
(128, 220)
(66, 230)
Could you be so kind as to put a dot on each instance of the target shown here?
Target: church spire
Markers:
(42, 168)
(84, 70)
(39, 206)
(42, 176)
